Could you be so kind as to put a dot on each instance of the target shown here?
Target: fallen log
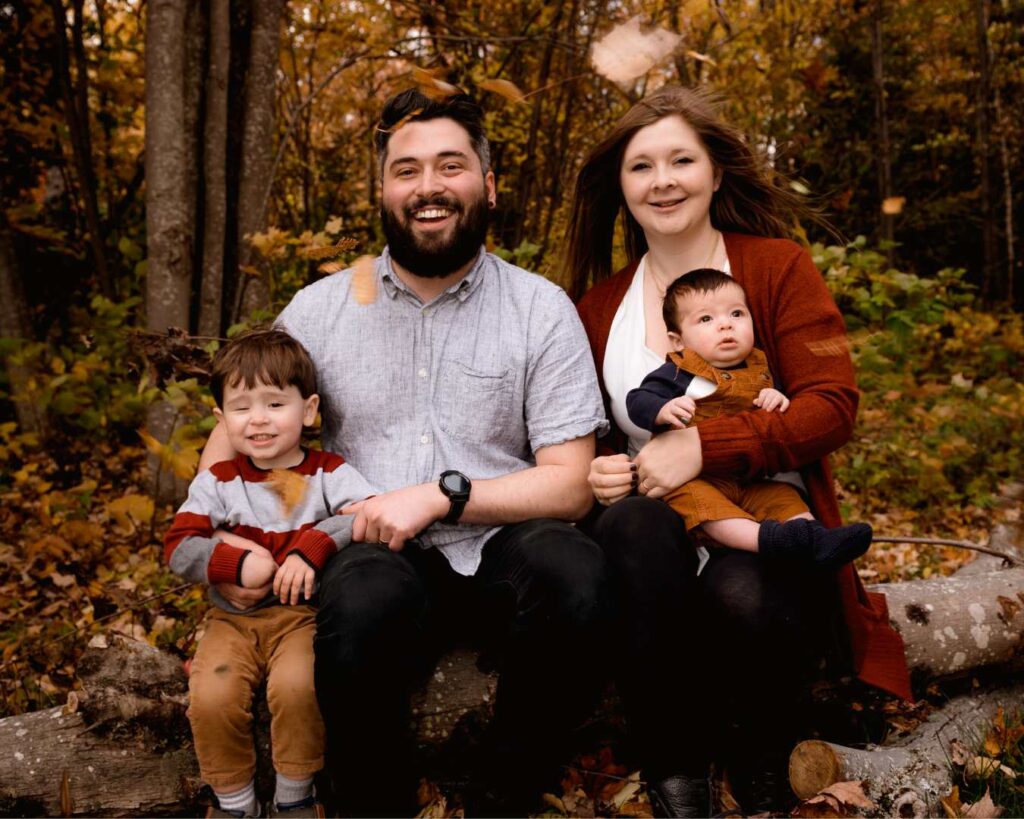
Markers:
(909, 777)
(958, 623)
(122, 746)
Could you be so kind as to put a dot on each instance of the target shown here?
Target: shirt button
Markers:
(726, 376)
(424, 439)
(422, 373)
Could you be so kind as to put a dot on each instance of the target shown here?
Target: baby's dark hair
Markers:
(413, 105)
(701, 280)
(270, 356)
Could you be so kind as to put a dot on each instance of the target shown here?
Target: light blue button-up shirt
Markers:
(493, 369)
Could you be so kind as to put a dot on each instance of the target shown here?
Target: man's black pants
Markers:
(538, 599)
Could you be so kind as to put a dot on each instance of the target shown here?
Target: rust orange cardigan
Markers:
(798, 326)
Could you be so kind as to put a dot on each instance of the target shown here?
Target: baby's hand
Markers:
(676, 413)
(770, 400)
(257, 569)
(295, 577)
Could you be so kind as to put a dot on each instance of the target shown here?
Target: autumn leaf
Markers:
(503, 88)
(984, 808)
(893, 205)
(290, 488)
(333, 226)
(129, 510)
(364, 280)
(626, 53)
(704, 58)
(331, 267)
(850, 794)
(431, 86)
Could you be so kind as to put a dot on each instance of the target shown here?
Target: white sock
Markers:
(243, 800)
(292, 790)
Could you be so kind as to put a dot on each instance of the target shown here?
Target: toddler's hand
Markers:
(294, 577)
(770, 399)
(677, 412)
(257, 570)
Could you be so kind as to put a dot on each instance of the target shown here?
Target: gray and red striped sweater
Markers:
(239, 497)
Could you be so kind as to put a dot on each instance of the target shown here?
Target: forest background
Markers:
(187, 164)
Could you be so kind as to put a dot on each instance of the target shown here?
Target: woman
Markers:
(715, 659)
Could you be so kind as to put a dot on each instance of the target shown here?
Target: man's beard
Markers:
(434, 257)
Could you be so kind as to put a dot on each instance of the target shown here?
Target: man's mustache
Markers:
(436, 201)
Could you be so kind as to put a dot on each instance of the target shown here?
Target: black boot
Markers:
(810, 541)
(680, 796)
(762, 786)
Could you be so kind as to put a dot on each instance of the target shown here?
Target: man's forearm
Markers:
(556, 488)
(217, 448)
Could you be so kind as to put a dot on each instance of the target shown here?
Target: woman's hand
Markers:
(611, 478)
(668, 461)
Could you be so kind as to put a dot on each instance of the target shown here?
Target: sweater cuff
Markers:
(226, 564)
(725, 455)
(315, 548)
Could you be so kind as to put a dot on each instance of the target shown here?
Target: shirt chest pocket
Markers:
(474, 404)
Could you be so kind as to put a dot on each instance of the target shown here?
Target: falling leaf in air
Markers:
(432, 86)
(704, 58)
(290, 488)
(331, 267)
(626, 52)
(504, 88)
(333, 226)
(893, 205)
(364, 280)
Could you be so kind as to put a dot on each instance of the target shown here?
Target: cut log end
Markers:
(813, 766)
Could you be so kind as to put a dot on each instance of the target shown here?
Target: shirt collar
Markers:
(461, 290)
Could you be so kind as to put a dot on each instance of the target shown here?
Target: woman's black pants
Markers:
(712, 664)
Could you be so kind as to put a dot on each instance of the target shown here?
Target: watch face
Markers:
(456, 483)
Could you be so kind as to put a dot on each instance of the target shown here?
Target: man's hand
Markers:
(676, 413)
(395, 517)
(258, 570)
(668, 461)
(612, 478)
(770, 399)
(294, 577)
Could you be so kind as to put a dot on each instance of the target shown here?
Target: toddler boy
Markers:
(283, 497)
(715, 370)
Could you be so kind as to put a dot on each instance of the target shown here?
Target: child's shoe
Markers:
(303, 809)
(213, 812)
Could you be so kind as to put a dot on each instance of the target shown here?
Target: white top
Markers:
(627, 359)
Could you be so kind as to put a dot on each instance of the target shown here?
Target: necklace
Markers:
(659, 289)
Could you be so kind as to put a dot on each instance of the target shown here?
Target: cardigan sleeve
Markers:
(804, 335)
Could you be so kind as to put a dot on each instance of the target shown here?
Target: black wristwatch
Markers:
(455, 487)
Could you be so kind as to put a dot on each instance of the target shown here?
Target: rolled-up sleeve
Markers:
(563, 401)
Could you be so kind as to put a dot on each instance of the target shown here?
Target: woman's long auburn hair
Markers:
(748, 200)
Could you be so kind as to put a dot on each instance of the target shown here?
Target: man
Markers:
(467, 393)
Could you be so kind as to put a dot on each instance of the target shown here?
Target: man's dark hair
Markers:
(701, 280)
(269, 356)
(413, 105)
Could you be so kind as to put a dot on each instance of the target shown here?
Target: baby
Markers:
(714, 371)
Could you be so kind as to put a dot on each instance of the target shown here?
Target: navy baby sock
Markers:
(808, 540)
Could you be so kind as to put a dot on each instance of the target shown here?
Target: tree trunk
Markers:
(257, 148)
(888, 219)
(215, 169)
(14, 324)
(169, 212)
(1008, 227)
(911, 776)
(75, 101)
(988, 233)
